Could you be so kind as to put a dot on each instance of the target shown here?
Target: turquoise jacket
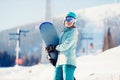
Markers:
(67, 46)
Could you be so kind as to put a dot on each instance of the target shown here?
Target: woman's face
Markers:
(69, 22)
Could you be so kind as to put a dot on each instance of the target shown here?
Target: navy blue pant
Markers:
(64, 72)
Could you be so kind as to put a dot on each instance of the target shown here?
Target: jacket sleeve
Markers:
(68, 42)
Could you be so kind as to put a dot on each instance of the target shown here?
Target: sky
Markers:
(15, 13)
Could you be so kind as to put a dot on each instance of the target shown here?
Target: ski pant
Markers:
(64, 72)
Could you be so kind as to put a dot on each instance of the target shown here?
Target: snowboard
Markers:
(50, 37)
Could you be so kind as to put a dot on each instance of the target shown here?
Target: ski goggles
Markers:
(70, 19)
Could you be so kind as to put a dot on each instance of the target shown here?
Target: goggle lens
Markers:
(70, 19)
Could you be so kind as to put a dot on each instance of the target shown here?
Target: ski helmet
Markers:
(72, 14)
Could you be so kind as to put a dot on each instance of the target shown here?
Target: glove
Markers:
(51, 48)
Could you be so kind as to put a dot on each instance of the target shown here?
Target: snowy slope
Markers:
(101, 66)
(105, 66)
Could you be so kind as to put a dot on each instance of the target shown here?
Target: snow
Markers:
(25, 73)
(104, 66)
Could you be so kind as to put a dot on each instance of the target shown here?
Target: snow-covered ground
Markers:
(104, 66)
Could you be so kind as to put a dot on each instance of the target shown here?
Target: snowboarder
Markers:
(66, 62)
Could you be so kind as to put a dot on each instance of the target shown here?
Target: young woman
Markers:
(66, 62)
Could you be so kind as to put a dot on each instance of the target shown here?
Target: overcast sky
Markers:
(14, 13)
